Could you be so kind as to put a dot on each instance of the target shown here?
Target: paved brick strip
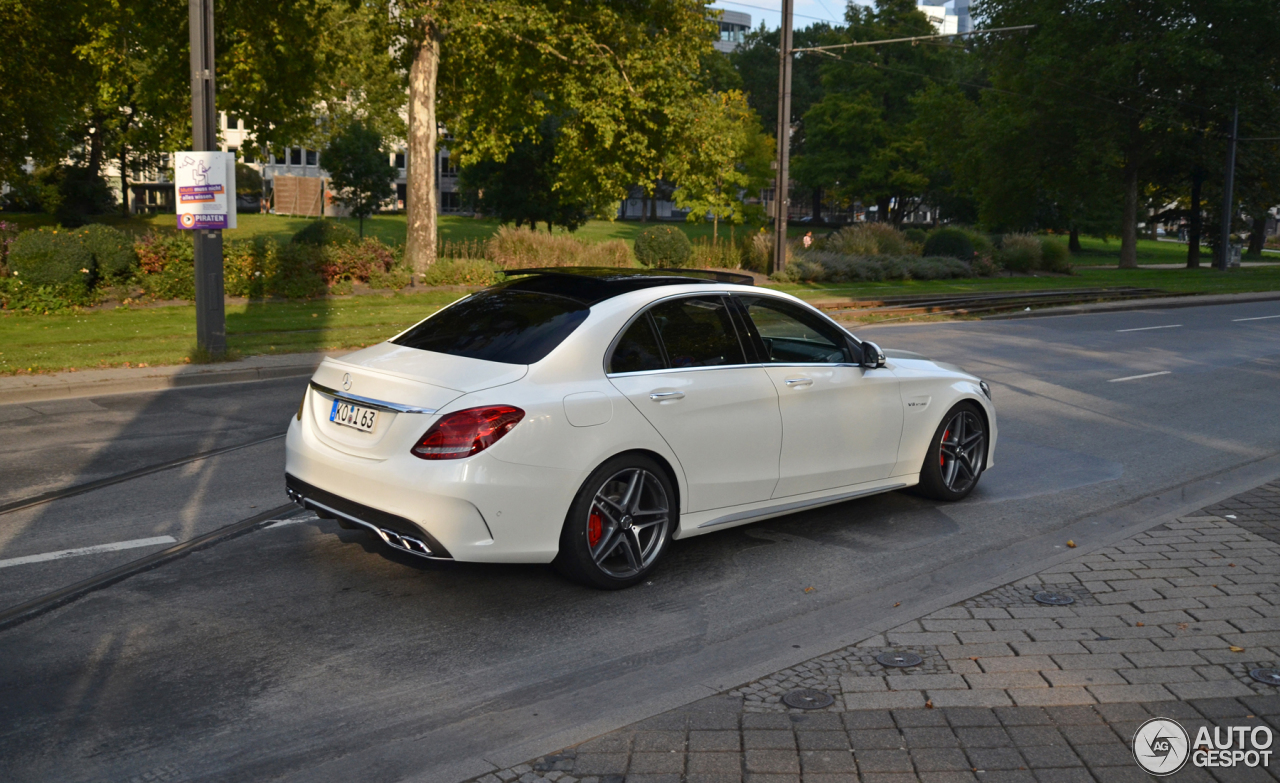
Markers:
(1167, 623)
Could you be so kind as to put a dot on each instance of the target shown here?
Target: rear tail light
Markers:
(463, 433)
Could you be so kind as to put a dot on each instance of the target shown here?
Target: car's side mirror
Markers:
(872, 356)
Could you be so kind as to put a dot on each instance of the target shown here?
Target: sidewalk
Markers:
(1167, 623)
(88, 383)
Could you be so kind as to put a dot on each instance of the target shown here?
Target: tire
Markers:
(957, 455)
(619, 525)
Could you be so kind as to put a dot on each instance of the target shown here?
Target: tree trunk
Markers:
(1258, 236)
(1196, 224)
(653, 204)
(1073, 241)
(715, 228)
(94, 163)
(420, 243)
(124, 181)
(1129, 220)
(882, 210)
(817, 205)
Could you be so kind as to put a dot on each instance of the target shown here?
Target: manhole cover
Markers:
(899, 660)
(808, 699)
(1053, 599)
(1269, 676)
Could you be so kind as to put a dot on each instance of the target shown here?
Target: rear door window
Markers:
(697, 332)
(499, 325)
(637, 349)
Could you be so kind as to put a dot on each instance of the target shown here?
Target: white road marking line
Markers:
(1146, 328)
(308, 517)
(1136, 377)
(88, 550)
(1258, 318)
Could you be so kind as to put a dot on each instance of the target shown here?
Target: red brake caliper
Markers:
(942, 460)
(595, 527)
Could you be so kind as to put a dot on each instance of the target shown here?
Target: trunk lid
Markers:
(395, 376)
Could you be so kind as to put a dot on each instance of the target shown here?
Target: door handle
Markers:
(671, 395)
(798, 383)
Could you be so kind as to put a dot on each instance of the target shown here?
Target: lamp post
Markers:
(781, 185)
(211, 317)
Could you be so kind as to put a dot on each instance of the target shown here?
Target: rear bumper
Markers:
(395, 531)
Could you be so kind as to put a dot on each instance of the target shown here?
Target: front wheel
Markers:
(957, 455)
(619, 524)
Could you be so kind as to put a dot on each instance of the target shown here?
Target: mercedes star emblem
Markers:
(346, 382)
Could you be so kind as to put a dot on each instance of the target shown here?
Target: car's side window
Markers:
(638, 349)
(792, 336)
(698, 332)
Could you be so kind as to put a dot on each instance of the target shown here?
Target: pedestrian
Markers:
(808, 240)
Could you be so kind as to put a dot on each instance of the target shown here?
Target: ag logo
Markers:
(1161, 746)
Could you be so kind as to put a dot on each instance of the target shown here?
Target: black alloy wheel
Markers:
(957, 455)
(619, 524)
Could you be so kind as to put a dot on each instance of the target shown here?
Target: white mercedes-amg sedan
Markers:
(588, 417)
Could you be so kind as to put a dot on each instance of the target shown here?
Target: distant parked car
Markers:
(251, 204)
(588, 417)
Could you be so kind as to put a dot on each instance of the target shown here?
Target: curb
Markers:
(66, 385)
(1163, 303)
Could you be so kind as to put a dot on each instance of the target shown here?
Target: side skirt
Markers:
(702, 522)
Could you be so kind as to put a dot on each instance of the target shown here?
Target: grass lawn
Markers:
(165, 335)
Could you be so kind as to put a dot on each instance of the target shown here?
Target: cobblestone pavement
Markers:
(1167, 623)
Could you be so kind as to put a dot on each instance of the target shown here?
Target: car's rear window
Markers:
(513, 327)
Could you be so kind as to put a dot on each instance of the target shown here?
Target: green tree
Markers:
(359, 174)
(617, 73)
(715, 163)
(860, 137)
(522, 188)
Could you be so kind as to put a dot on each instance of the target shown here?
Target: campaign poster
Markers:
(206, 187)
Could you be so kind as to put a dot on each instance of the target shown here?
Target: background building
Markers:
(733, 26)
(949, 17)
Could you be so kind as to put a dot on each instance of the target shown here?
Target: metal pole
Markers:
(211, 317)
(1228, 196)
(781, 184)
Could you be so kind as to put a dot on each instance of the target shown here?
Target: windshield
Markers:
(499, 325)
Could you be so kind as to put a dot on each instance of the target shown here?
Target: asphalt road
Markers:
(305, 652)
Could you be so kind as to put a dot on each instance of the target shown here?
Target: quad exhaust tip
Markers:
(413, 546)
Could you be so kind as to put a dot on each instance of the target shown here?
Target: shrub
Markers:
(821, 266)
(1054, 255)
(663, 247)
(982, 244)
(17, 295)
(1019, 253)
(916, 235)
(356, 262)
(757, 253)
(53, 257)
(869, 239)
(325, 233)
(715, 255)
(523, 248)
(262, 267)
(949, 242)
(167, 264)
(461, 248)
(462, 271)
(112, 251)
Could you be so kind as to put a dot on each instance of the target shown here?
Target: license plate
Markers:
(354, 416)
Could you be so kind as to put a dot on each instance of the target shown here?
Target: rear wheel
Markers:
(619, 524)
(957, 455)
